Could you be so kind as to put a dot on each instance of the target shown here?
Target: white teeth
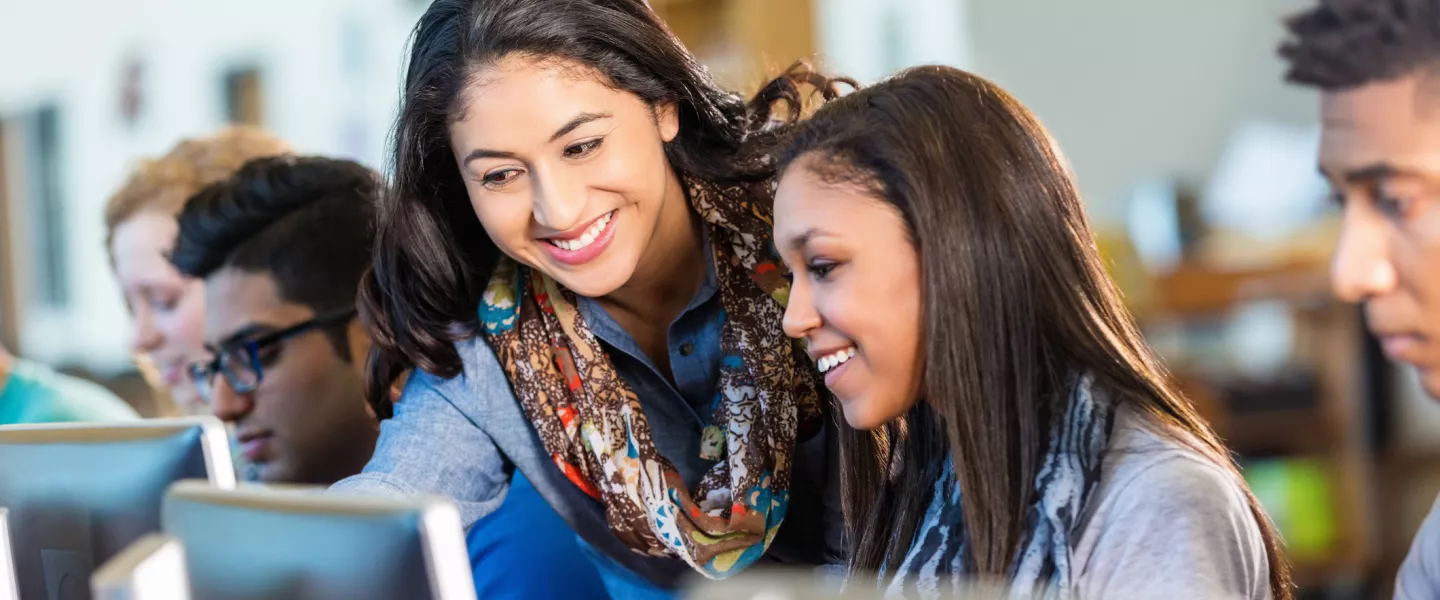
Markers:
(835, 359)
(588, 237)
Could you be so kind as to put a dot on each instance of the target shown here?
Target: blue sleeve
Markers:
(430, 447)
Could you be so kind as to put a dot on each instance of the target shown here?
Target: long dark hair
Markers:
(432, 256)
(1016, 303)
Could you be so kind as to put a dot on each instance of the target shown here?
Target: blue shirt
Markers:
(33, 393)
(463, 437)
(506, 546)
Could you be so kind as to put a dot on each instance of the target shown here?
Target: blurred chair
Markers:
(276, 544)
(79, 493)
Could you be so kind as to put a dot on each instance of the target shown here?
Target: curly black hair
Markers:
(1345, 44)
(306, 221)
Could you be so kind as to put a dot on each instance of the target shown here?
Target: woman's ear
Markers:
(667, 118)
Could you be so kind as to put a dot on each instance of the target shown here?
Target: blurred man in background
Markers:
(33, 393)
(1377, 64)
(281, 247)
(168, 308)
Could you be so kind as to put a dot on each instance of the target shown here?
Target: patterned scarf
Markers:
(592, 424)
(936, 563)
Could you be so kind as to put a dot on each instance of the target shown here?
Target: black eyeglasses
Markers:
(239, 361)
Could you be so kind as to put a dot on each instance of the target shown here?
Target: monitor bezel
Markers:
(442, 533)
(214, 440)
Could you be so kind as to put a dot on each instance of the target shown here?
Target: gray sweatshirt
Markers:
(1167, 523)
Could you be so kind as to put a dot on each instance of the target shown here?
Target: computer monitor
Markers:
(79, 493)
(255, 543)
(152, 568)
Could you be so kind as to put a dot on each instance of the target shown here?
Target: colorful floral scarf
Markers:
(592, 424)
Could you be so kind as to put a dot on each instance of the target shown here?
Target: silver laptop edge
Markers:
(444, 537)
(9, 588)
(132, 574)
(214, 440)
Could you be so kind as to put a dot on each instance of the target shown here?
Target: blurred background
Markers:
(1196, 160)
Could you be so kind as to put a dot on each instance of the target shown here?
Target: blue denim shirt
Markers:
(463, 437)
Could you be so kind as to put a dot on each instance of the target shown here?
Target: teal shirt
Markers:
(36, 394)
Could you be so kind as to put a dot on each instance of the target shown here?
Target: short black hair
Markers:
(1346, 44)
(307, 221)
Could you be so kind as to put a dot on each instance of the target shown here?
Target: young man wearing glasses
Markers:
(282, 246)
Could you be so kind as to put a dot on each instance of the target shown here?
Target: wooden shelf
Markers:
(1284, 432)
(1192, 291)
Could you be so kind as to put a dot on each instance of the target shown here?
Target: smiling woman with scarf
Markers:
(576, 265)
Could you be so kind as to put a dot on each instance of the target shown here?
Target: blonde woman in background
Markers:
(140, 229)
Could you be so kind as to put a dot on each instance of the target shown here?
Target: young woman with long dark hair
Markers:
(575, 266)
(1006, 421)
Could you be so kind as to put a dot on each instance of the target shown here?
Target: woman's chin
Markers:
(862, 417)
(866, 414)
(593, 281)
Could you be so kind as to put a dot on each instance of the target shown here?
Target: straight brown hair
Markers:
(1016, 302)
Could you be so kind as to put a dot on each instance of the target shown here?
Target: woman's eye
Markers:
(583, 149)
(820, 271)
(498, 179)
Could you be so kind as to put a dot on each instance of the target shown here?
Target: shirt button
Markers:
(686, 349)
